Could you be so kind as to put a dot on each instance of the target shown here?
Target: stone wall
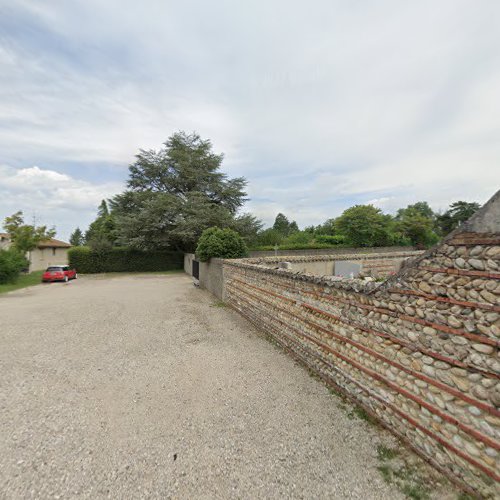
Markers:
(372, 264)
(211, 274)
(188, 263)
(418, 351)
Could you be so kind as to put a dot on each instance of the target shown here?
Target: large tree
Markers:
(174, 194)
(101, 232)
(283, 226)
(25, 237)
(365, 226)
(416, 223)
(248, 226)
(76, 239)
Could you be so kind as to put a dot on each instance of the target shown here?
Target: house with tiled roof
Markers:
(48, 252)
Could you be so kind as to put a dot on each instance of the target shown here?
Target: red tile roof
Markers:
(52, 243)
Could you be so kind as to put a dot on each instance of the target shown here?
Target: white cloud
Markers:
(53, 198)
(320, 107)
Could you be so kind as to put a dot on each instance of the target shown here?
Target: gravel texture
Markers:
(142, 386)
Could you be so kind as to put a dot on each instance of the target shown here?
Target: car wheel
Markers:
(66, 279)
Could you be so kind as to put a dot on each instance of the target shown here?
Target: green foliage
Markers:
(88, 260)
(12, 262)
(25, 237)
(416, 223)
(385, 453)
(458, 213)
(297, 246)
(298, 237)
(269, 237)
(421, 208)
(327, 239)
(76, 238)
(102, 232)
(283, 226)
(328, 228)
(365, 226)
(248, 227)
(223, 243)
(175, 194)
(22, 281)
(299, 240)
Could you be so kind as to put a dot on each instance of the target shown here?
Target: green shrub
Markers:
(12, 262)
(114, 260)
(223, 243)
(269, 237)
(335, 239)
(296, 246)
(297, 238)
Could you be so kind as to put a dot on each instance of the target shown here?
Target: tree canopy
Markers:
(283, 226)
(102, 232)
(223, 243)
(25, 237)
(177, 192)
(458, 213)
(365, 225)
(76, 239)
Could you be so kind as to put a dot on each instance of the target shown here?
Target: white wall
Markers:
(41, 258)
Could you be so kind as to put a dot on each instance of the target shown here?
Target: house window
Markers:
(53, 251)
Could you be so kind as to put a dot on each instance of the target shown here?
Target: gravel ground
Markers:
(142, 386)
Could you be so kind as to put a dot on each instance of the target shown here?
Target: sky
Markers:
(321, 105)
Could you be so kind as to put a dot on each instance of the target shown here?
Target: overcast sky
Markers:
(320, 105)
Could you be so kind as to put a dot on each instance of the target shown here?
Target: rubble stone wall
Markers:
(376, 264)
(418, 351)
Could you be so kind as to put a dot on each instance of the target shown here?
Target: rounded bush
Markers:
(12, 262)
(222, 243)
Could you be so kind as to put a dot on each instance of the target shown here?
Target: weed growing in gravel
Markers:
(464, 496)
(219, 303)
(361, 413)
(385, 453)
(405, 477)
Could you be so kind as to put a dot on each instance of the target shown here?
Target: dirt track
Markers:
(142, 386)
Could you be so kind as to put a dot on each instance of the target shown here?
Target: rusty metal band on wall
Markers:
(419, 351)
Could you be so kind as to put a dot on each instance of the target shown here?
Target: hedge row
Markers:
(298, 246)
(312, 246)
(86, 260)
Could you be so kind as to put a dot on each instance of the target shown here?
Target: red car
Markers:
(59, 273)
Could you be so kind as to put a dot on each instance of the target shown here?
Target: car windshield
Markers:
(53, 268)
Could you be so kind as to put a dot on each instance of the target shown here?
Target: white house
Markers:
(47, 253)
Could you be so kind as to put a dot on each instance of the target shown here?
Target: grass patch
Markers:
(386, 472)
(464, 496)
(410, 480)
(219, 303)
(385, 453)
(405, 477)
(24, 280)
(416, 491)
(362, 414)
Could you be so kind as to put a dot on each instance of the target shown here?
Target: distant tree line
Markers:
(368, 226)
(175, 193)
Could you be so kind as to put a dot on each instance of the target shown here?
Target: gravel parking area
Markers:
(142, 386)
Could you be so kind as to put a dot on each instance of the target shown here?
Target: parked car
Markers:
(59, 273)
